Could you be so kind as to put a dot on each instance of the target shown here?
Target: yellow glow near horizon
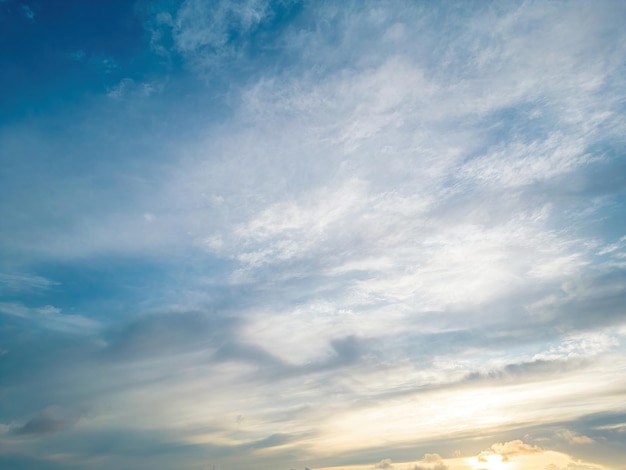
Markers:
(491, 462)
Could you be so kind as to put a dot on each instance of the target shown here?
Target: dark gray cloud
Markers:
(23, 462)
(47, 421)
(235, 350)
(528, 371)
(272, 441)
(169, 333)
(599, 303)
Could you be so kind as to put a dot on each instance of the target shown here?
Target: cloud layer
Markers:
(281, 234)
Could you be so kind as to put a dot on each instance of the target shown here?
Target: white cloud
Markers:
(129, 87)
(431, 462)
(522, 163)
(204, 32)
(386, 177)
(384, 463)
(24, 283)
(395, 207)
(574, 438)
(586, 344)
(51, 317)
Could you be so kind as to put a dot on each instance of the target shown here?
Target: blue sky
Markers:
(287, 235)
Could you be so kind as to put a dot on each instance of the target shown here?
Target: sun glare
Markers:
(491, 462)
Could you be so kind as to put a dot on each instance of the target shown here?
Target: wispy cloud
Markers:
(24, 282)
(28, 12)
(323, 234)
(50, 317)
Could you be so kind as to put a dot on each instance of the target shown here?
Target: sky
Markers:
(283, 234)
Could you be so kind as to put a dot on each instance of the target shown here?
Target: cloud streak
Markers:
(301, 234)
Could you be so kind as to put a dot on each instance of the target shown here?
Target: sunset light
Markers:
(312, 235)
(491, 462)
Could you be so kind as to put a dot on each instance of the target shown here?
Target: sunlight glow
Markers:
(491, 462)
(286, 234)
